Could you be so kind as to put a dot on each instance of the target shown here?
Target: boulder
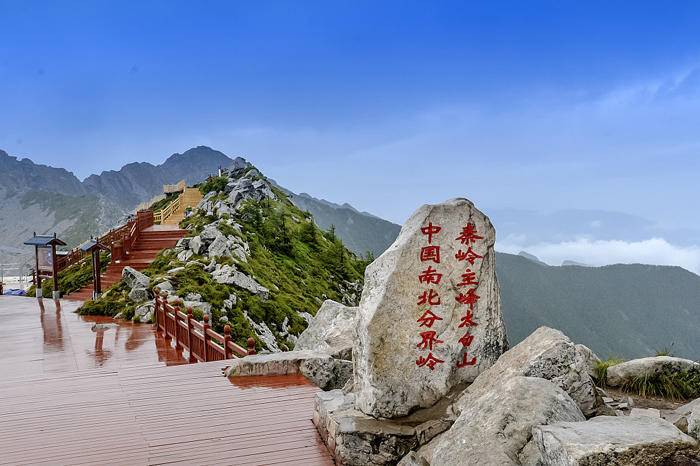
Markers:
(624, 372)
(610, 440)
(354, 438)
(694, 421)
(219, 247)
(144, 313)
(429, 316)
(138, 295)
(238, 252)
(193, 297)
(495, 427)
(319, 368)
(210, 233)
(546, 353)
(681, 417)
(229, 275)
(589, 358)
(134, 278)
(165, 285)
(201, 305)
(196, 245)
(327, 373)
(264, 333)
(183, 243)
(332, 330)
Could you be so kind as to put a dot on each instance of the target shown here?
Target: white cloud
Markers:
(655, 251)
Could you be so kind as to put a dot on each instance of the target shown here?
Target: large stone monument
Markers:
(430, 317)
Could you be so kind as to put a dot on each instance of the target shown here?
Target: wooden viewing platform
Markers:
(73, 396)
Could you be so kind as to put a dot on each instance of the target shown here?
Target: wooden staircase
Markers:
(143, 251)
(190, 197)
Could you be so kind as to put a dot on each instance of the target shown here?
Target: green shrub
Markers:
(214, 183)
(681, 385)
(601, 370)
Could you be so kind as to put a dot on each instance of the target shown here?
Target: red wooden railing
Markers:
(120, 240)
(203, 343)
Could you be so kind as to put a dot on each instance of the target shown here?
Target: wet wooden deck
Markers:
(61, 402)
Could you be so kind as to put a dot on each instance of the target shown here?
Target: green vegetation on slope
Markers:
(298, 263)
(72, 278)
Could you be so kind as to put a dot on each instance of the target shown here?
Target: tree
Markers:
(307, 233)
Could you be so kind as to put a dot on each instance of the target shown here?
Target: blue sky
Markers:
(520, 106)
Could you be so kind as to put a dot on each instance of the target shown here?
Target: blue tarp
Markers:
(15, 292)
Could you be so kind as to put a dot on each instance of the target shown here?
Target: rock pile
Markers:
(431, 382)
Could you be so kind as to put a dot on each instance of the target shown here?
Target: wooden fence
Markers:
(120, 240)
(162, 215)
(203, 343)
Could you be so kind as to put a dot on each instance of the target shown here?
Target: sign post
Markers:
(94, 247)
(46, 261)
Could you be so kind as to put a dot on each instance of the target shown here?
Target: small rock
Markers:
(185, 255)
(193, 297)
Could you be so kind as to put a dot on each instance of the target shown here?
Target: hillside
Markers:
(618, 310)
(251, 258)
(361, 232)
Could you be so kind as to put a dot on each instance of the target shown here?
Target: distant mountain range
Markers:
(624, 310)
(618, 310)
(45, 199)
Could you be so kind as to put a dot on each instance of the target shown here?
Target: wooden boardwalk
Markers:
(135, 413)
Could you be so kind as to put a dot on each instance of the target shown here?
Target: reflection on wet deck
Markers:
(73, 396)
(39, 337)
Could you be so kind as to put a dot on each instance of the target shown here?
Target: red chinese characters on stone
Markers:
(428, 319)
(470, 298)
(467, 320)
(430, 253)
(429, 297)
(469, 234)
(466, 339)
(466, 361)
(430, 230)
(469, 255)
(468, 278)
(430, 275)
(429, 338)
(430, 361)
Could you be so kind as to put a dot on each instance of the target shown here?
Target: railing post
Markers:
(177, 328)
(251, 346)
(189, 334)
(165, 314)
(227, 338)
(156, 304)
(205, 327)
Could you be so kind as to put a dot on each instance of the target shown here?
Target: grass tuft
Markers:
(601, 370)
(677, 386)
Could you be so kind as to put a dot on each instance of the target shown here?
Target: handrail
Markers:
(120, 240)
(163, 214)
(203, 343)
